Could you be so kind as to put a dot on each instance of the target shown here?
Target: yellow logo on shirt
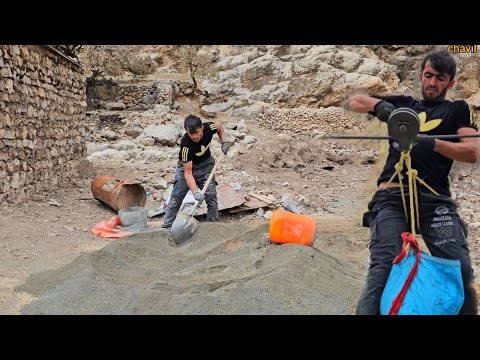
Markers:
(428, 125)
(202, 150)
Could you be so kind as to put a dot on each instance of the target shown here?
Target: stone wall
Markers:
(42, 120)
(330, 120)
(105, 94)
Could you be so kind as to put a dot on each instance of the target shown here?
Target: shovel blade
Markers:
(184, 228)
(153, 213)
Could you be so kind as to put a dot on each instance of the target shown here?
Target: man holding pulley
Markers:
(439, 222)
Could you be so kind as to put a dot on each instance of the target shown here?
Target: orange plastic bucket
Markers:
(287, 227)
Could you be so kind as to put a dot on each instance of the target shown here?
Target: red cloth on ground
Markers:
(108, 229)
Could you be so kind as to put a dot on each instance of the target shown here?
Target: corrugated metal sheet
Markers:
(68, 52)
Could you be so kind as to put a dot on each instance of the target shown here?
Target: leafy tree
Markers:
(198, 62)
(114, 60)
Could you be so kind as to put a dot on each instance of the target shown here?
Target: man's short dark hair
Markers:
(192, 123)
(441, 61)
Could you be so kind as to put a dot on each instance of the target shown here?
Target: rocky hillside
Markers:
(244, 80)
(323, 75)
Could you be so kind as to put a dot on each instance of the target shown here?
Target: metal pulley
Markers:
(403, 127)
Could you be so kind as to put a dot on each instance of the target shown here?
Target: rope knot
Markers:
(412, 172)
(409, 238)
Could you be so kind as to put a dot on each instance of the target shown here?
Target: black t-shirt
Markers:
(197, 152)
(436, 118)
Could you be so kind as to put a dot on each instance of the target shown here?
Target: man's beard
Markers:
(438, 98)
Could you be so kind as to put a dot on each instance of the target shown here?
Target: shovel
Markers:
(185, 226)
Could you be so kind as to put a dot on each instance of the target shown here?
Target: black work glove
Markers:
(382, 110)
(422, 144)
(225, 147)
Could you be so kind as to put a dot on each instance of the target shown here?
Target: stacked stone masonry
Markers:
(330, 120)
(131, 96)
(42, 120)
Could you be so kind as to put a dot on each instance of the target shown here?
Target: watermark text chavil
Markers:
(462, 48)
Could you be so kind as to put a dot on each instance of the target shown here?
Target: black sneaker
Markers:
(166, 226)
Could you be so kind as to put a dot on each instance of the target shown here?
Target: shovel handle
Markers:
(210, 177)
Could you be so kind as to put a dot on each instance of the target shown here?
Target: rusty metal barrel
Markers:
(118, 194)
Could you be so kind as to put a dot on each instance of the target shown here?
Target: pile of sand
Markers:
(229, 269)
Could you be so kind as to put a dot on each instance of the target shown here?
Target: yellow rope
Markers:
(411, 184)
(412, 174)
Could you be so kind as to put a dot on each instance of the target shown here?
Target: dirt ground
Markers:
(39, 235)
(53, 229)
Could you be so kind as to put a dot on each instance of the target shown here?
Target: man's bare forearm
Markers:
(221, 132)
(464, 152)
(189, 179)
(362, 103)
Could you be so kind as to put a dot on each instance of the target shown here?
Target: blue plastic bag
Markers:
(436, 289)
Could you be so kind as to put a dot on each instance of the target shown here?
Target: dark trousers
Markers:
(441, 228)
(200, 173)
